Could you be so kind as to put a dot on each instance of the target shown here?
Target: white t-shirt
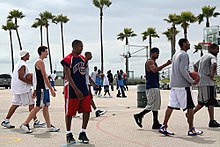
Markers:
(18, 86)
(93, 75)
(105, 81)
(53, 76)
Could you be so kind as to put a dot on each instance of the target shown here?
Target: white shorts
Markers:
(23, 99)
(181, 98)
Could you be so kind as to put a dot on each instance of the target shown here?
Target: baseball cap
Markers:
(23, 52)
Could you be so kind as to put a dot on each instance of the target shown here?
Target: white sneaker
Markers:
(53, 129)
(25, 128)
(7, 124)
(39, 124)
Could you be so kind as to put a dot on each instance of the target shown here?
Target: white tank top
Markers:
(18, 86)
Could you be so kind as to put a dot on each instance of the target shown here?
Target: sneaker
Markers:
(194, 132)
(138, 120)
(213, 124)
(53, 129)
(69, 138)
(118, 95)
(124, 96)
(83, 138)
(156, 125)
(7, 124)
(163, 130)
(100, 112)
(39, 124)
(26, 128)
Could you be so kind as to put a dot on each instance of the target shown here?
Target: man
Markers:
(152, 89)
(53, 78)
(110, 79)
(180, 93)
(207, 66)
(93, 76)
(77, 98)
(41, 92)
(89, 82)
(21, 90)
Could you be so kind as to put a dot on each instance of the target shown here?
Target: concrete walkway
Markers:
(115, 129)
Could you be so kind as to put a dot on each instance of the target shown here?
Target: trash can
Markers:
(141, 96)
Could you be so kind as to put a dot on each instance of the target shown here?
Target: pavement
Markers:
(114, 129)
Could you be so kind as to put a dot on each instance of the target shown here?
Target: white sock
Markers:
(83, 130)
(7, 120)
(67, 132)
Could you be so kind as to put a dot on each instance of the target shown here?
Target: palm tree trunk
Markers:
(173, 42)
(185, 33)
(207, 22)
(150, 42)
(101, 14)
(62, 40)
(12, 54)
(41, 35)
(126, 64)
(19, 40)
(48, 45)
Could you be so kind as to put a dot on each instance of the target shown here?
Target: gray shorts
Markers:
(207, 95)
(153, 99)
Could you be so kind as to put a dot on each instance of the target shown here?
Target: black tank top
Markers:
(40, 79)
(152, 79)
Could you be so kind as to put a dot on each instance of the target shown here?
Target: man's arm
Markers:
(153, 68)
(214, 69)
(67, 74)
(21, 73)
(40, 65)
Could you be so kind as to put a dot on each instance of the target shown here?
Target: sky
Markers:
(84, 25)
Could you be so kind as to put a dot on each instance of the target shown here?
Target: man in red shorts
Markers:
(77, 98)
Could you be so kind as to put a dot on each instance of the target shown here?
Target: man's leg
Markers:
(139, 116)
(11, 111)
(197, 108)
(190, 117)
(167, 116)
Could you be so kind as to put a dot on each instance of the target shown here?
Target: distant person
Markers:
(180, 93)
(76, 93)
(125, 78)
(98, 82)
(152, 89)
(110, 79)
(207, 67)
(93, 77)
(106, 86)
(53, 78)
(21, 90)
(120, 82)
(41, 87)
(90, 82)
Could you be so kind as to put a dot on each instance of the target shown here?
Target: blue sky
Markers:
(84, 25)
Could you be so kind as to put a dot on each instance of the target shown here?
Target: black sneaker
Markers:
(138, 120)
(213, 124)
(69, 138)
(156, 125)
(100, 112)
(118, 95)
(83, 138)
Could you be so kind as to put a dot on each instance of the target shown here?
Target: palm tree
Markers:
(101, 4)
(9, 27)
(16, 14)
(46, 16)
(39, 23)
(186, 17)
(198, 48)
(169, 35)
(151, 32)
(173, 19)
(61, 19)
(207, 12)
(128, 32)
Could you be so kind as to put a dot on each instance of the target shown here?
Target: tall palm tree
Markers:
(173, 19)
(9, 27)
(46, 16)
(207, 12)
(186, 17)
(16, 14)
(198, 48)
(39, 23)
(151, 32)
(101, 4)
(61, 19)
(169, 35)
(128, 32)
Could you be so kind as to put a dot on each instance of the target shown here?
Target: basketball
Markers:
(29, 76)
(195, 76)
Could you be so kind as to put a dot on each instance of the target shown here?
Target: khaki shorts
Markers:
(23, 99)
(153, 99)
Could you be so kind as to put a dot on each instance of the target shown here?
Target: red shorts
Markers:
(73, 105)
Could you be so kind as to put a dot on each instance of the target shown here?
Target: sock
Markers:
(83, 130)
(142, 113)
(7, 120)
(155, 116)
(67, 132)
